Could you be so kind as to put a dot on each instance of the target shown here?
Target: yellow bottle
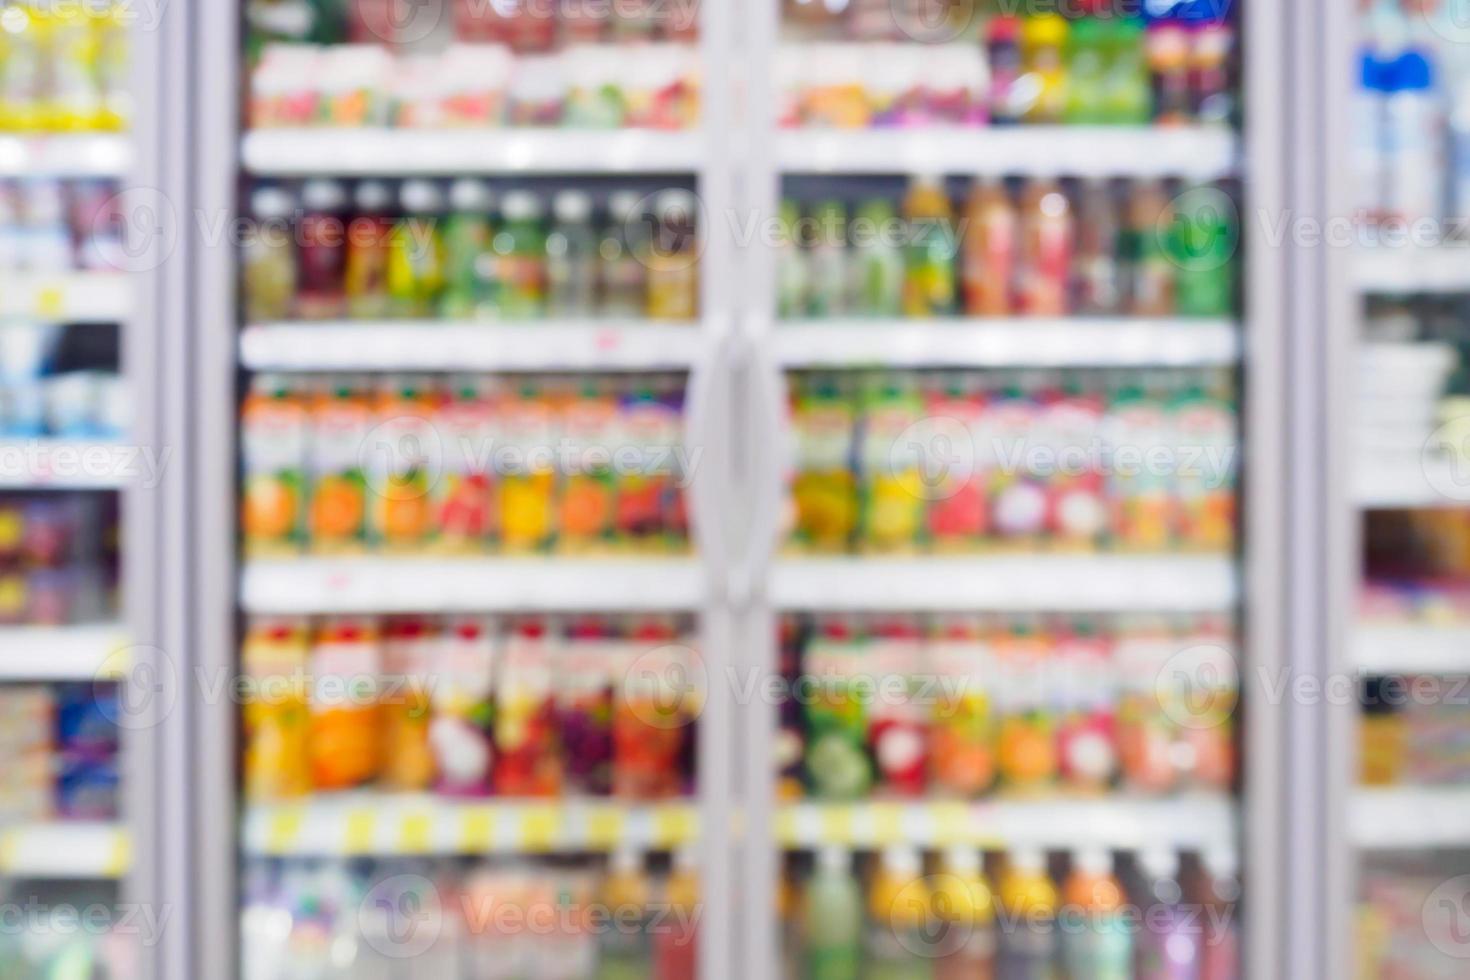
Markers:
(624, 953)
(965, 906)
(676, 947)
(900, 907)
(1028, 945)
(1042, 41)
(276, 717)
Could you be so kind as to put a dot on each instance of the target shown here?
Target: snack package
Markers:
(276, 718)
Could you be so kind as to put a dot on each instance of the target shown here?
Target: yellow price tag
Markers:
(359, 831)
(606, 827)
(121, 856)
(416, 834)
(673, 826)
(282, 830)
(837, 824)
(887, 823)
(786, 827)
(477, 831)
(9, 844)
(540, 826)
(50, 302)
(951, 823)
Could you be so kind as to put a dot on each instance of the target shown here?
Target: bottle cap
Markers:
(961, 860)
(522, 206)
(323, 195)
(1093, 861)
(833, 860)
(373, 195)
(468, 194)
(1159, 863)
(423, 196)
(572, 207)
(900, 859)
(272, 202)
(1027, 860)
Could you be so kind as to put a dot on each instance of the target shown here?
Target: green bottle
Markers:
(834, 918)
(828, 260)
(1086, 93)
(1202, 243)
(520, 257)
(1127, 94)
(793, 277)
(877, 263)
(470, 290)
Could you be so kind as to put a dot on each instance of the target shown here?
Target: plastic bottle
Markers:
(827, 258)
(624, 952)
(622, 277)
(899, 911)
(346, 721)
(965, 906)
(929, 281)
(1098, 945)
(571, 257)
(1003, 49)
(1150, 273)
(1168, 59)
(1098, 289)
(1127, 98)
(1086, 91)
(834, 917)
(416, 251)
(365, 271)
(323, 250)
(1047, 242)
(992, 244)
(470, 289)
(1219, 894)
(1459, 154)
(673, 258)
(676, 945)
(793, 275)
(1028, 899)
(1169, 943)
(269, 261)
(1414, 161)
(876, 267)
(520, 257)
(1043, 38)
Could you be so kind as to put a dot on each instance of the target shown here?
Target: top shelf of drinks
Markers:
(874, 63)
(64, 67)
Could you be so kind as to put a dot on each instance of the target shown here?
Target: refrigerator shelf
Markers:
(67, 297)
(65, 155)
(1411, 649)
(67, 464)
(348, 152)
(384, 824)
(1121, 822)
(1410, 817)
(1409, 480)
(1041, 582)
(83, 849)
(307, 585)
(1006, 342)
(62, 653)
(1408, 268)
(434, 345)
(1199, 152)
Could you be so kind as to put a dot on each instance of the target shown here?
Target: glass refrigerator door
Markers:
(1000, 328)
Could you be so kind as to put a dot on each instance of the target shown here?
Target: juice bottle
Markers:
(1101, 946)
(23, 70)
(893, 467)
(1027, 747)
(1201, 245)
(876, 267)
(622, 277)
(527, 478)
(1047, 237)
(1086, 92)
(827, 259)
(673, 258)
(520, 257)
(320, 292)
(274, 657)
(899, 721)
(1211, 49)
(463, 495)
(1087, 728)
(1008, 100)
(365, 268)
(341, 421)
(790, 747)
(405, 459)
(1018, 498)
(1127, 96)
(676, 947)
(793, 274)
(527, 761)
(346, 720)
(1143, 511)
(1169, 943)
(1043, 37)
(571, 257)
(1205, 441)
(273, 443)
(834, 918)
(1150, 273)
(1206, 688)
(1146, 733)
(470, 288)
(268, 264)
(1077, 513)
(929, 278)
(1219, 893)
(1167, 44)
(837, 761)
(409, 654)
(990, 249)
(75, 102)
(495, 904)
(1098, 285)
(589, 493)
(965, 908)
(899, 913)
(464, 707)
(824, 488)
(416, 258)
(647, 497)
(625, 952)
(655, 703)
(962, 730)
(585, 668)
(1028, 946)
(957, 486)
(668, 390)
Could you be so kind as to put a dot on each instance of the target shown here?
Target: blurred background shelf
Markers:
(1408, 817)
(299, 152)
(65, 155)
(427, 585)
(1413, 269)
(66, 297)
(67, 464)
(1191, 822)
(65, 849)
(1411, 649)
(1387, 481)
(1199, 152)
(439, 346)
(387, 824)
(61, 653)
(1080, 583)
(1042, 342)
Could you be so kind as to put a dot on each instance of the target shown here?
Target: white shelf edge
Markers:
(436, 345)
(372, 823)
(1411, 649)
(298, 152)
(1045, 582)
(1002, 342)
(1408, 268)
(63, 849)
(67, 297)
(65, 154)
(1406, 480)
(61, 653)
(1200, 152)
(309, 585)
(1410, 817)
(68, 464)
(1122, 822)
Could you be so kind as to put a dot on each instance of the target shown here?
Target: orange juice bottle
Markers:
(1027, 754)
(964, 906)
(408, 666)
(273, 440)
(899, 918)
(585, 511)
(341, 422)
(463, 495)
(527, 474)
(962, 731)
(273, 659)
(1146, 732)
(406, 461)
(346, 720)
